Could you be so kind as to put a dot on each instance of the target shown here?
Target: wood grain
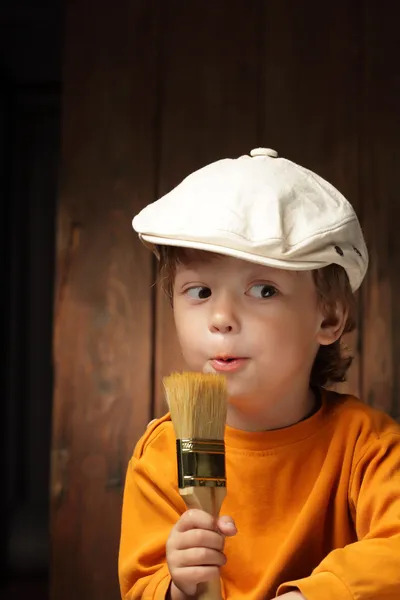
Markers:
(312, 86)
(211, 106)
(103, 296)
(380, 169)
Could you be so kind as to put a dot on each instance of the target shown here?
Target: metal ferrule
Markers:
(201, 463)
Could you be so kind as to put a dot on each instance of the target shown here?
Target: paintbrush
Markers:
(198, 405)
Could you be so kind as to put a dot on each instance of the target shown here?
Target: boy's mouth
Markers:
(227, 363)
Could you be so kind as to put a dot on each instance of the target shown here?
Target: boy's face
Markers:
(258, 325)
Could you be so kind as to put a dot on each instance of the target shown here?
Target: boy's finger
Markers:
(195, 557)
(196, 538)
(226, 526)
(195, 519)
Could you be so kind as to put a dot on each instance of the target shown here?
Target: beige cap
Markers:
(263, 209)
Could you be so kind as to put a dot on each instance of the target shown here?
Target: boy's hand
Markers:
(195, 550)
(293, 596)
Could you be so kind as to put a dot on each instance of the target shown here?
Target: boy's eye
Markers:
(199, 292)
(262, 290)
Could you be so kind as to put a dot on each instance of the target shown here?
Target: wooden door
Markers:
(153, 90)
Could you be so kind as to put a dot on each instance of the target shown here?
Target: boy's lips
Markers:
(228, 363)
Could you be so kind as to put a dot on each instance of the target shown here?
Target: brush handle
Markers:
(210, 500)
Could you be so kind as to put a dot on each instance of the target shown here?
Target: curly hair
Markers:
(332, 284)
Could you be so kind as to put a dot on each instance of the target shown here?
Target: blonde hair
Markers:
(332, 284)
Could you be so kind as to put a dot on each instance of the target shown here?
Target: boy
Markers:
(260, 258)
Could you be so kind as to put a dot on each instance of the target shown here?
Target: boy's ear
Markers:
(332, 324)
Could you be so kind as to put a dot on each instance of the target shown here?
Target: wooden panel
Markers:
(312, 74)
(380, 193)
(103, 311)
(211, 109)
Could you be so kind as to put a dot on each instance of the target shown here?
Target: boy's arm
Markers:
(151, 507)
(369, 568)
(175, 594)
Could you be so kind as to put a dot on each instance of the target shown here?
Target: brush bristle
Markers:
(198, 404)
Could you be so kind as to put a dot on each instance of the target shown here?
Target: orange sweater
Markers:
(317, 507)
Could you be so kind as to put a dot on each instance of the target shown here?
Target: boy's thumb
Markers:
(226, 526)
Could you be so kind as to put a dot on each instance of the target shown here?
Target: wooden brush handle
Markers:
(210, 590)
(210, 500)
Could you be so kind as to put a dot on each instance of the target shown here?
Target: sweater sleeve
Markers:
(370, 567)
(151, 507)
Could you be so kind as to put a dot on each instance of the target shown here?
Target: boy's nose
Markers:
(223, 320)
(220, 327)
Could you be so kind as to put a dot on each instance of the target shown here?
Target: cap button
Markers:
(264, 152)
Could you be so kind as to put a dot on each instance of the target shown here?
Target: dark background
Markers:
(31, 42)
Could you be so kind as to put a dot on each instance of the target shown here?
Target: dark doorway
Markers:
(30, 97)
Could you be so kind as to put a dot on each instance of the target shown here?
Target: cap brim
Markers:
(150, 241)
